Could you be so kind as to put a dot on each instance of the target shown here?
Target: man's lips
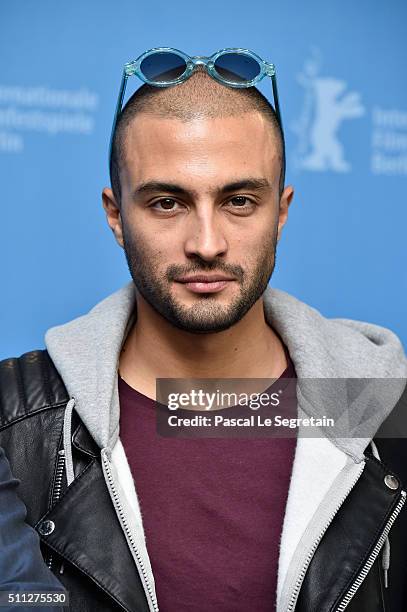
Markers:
(202, 283)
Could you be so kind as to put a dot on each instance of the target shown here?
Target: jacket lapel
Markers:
(88, 535)
(321, 477)
(321, 529)
(352, 544)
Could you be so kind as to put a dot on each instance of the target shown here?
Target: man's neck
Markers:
(154, 348)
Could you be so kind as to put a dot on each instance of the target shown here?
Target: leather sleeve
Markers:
(21, 564)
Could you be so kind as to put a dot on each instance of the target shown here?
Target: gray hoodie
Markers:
(335, 360)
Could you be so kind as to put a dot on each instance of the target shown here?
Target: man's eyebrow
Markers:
(246, 183)
(154, 186)
(173, 188)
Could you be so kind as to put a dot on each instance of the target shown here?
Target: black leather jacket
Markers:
(86, 548)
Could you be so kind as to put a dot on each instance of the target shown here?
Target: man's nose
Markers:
(206, 237)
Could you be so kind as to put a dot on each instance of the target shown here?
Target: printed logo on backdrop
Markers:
(43, 110)
(328, 102)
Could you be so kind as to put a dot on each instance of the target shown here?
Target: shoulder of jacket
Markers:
(29, 384)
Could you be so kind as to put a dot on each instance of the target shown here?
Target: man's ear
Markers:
(285, 201)
(113, 215)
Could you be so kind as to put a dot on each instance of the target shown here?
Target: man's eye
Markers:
(240, 201)
(164, 204)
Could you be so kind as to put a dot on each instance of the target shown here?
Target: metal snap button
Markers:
(391, 482)
(46, 527)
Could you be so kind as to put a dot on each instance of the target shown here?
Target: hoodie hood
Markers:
(352, 371)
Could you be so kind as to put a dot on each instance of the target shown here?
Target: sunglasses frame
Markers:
(134, 68)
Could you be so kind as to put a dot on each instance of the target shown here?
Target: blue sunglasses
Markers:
(164, 66)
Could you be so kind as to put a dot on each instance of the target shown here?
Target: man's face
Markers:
(200, 217)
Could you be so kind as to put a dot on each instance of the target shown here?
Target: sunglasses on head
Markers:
(164, 66)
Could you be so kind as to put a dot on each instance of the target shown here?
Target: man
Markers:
(133, 521)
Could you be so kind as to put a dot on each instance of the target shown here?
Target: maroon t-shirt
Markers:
(212, 510)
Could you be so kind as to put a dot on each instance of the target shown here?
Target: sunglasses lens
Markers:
(162, 66)
(237, 67)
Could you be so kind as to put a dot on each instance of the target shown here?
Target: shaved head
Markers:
(198, 96)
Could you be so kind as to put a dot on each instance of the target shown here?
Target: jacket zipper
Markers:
(120, 512)
(56, 494)
(312, 550)
(366, 568)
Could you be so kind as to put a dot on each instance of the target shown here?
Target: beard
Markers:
(206, 315)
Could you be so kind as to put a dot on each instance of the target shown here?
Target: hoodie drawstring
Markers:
(67, 441)
(386, 547)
